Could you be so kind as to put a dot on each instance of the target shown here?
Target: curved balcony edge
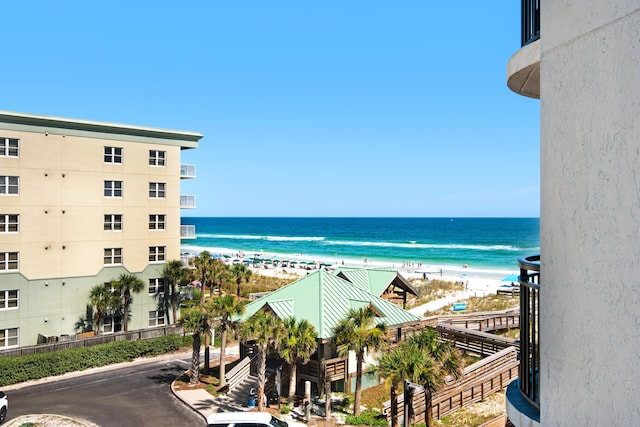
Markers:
(523, 71)
(519, 410)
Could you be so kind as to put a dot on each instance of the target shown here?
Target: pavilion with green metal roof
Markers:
(324, 299)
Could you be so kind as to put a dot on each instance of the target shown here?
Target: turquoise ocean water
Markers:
(482, 246)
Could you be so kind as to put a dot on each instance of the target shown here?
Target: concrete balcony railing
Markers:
(187, 171)
(523, 396)
(523, 69)
(187, 201)
(187, 231)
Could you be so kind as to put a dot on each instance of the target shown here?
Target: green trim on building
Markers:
(94, 129)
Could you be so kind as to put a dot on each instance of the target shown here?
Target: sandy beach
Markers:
(477, 283)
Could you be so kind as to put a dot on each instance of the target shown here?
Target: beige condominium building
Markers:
(82, 202)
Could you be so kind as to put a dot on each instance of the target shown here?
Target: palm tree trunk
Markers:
(394, 405)
(96, 322)
(125, 313)
(356, 402)
(293, 373)
(195, 360)
(262, 372)
(223, 347)
(174, 306)
(428, 416)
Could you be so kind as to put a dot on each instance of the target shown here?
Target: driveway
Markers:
(136, 394)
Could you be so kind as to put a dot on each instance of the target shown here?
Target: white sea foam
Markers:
(257, 237)
(423, 245)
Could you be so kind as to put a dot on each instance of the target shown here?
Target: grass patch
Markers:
(431, 290)
(374, 397)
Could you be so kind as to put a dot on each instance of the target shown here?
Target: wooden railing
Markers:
(487, 321)
(481, 343)
(140, 334)
(238, 373)
(478, 381)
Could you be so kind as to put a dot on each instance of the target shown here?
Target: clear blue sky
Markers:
(308, 108)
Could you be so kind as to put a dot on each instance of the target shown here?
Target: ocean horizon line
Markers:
(360, 217)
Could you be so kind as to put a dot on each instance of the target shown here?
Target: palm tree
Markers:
(223, 308)
(126, 285)
(267, 331)
(203, 265)
(219, 275)
(440, 359)
(195, 321)
(103, 301)
(405, 362)
(172, 274)
(240, 274)
(297, 345)
(356, 332)
(85, 323)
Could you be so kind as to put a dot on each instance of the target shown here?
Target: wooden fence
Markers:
(478, 381)
(140, 334)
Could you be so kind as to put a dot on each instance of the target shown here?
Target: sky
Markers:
(332, 108)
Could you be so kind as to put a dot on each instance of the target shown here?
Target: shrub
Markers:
(19, 369)
(367, 418)
(285, 409)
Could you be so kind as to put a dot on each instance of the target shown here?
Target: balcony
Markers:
(187, 171)
(187, 201)
(523, 396)
(187, 231)
(523, 68)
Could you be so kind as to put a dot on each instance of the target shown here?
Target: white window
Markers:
(113, 155)
(113, 222)
(110, 286)
(8, 261)
(8, 299)
(156, 190)
(9, 147)
(111, 324)
(156, 158)
(9, 223)
(113, 189)
(156, 253)
(8, 338)
(156, 222)
(9, 185)
(156, 286)
(156, 318)
(112, 256)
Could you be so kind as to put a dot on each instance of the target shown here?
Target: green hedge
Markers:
(367, 418)
(19, 369)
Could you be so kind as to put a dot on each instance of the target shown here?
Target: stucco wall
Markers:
(590, 212)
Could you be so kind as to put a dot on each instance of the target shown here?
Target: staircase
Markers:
(238, 398)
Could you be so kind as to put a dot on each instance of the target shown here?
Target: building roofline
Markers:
(89, 128)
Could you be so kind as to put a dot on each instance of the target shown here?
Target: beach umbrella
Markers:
(513, 278)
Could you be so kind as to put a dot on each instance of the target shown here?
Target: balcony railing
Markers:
(530, 21)
(529, 332)
(187, 201)
(187, 171)
(187, 231)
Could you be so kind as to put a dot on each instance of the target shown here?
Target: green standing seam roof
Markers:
(324, 299)
(375, 280)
